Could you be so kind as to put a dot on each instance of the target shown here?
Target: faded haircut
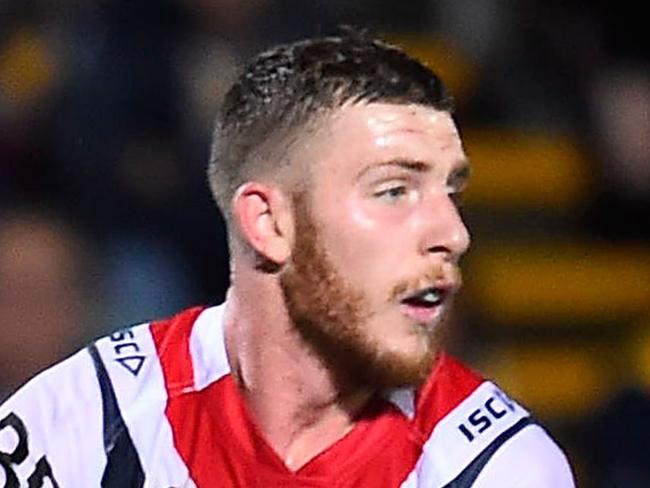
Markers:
(285, 89)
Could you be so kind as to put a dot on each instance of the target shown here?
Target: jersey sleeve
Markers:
(530, 459)
(51, 429)
(490, 440)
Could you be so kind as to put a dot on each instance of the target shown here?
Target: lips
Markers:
(428, 297)
(426, 304)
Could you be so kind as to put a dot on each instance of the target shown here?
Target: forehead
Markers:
(381, 118)
(358, 134)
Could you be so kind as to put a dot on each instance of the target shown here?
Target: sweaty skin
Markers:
(378, 222)
(384, 209)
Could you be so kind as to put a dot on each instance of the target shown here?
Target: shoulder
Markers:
(475, 433)
(106, 402)
(50, 421)
(530, 459)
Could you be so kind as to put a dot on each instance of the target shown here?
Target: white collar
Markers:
(403, 399)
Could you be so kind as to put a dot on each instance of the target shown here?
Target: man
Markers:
(338, 167)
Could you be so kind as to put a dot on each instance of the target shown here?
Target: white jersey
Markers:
(155, 406)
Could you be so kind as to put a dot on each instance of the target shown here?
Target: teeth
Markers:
(427, 297)
(431, 296)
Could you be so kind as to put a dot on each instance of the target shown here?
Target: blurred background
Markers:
(106, 109)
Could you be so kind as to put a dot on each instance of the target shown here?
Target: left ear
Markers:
(263, 214)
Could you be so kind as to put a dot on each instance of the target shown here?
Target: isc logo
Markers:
(127, 351)
(481, 419)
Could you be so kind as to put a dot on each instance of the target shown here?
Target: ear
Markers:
(265, 222)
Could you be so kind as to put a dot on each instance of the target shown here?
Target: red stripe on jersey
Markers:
(172, 340)
(221, 445)
(449, 384)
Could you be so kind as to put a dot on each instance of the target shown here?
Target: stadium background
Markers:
(106, 109)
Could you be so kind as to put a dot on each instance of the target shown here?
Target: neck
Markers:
(290, 391)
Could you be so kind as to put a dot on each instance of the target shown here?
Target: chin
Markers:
(405, 361)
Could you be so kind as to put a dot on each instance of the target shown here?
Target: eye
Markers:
(392, 193)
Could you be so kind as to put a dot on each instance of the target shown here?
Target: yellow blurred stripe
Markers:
(553, 382)
(525, 169)
(442, 57)
(27, 67)
(561, 283)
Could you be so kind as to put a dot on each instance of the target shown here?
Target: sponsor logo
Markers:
(493, 409)
(127, 351)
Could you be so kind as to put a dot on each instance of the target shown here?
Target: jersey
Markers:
(155, 405)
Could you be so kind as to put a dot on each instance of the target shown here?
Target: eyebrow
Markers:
(458, 177)
(408, 164)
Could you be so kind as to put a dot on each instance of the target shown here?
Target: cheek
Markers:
(372, 219)
(368, 243)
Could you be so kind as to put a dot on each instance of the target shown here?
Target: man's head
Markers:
(283, 92)
(337, 163)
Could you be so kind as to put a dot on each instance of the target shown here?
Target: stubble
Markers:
(332, 317)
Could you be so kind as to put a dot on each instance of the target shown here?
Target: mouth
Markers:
(425, 305)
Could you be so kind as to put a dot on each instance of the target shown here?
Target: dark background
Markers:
(106, 110)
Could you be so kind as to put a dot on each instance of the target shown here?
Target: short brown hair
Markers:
(288, 86)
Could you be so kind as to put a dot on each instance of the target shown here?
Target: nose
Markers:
(444, 231)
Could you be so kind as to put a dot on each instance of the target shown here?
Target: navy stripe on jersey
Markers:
(123, 467)
(467, 477)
